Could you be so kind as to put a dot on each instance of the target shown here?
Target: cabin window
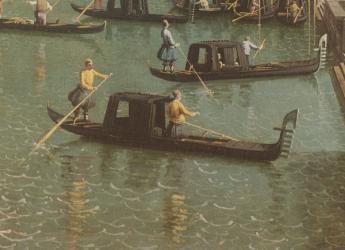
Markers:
(202, 57)
(227, 57)
(122, 110)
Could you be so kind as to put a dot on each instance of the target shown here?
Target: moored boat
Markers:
(205, 57)
(137, 119)
(118, 13)
(29, 25)
(265, 11)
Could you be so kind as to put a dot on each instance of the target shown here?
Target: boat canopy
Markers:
(207, 55)
(135, 114)
(130, 7)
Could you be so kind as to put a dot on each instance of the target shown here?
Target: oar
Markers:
(85, 9)
(261, 46)
(54, 128)
(211, 131)
(208, 91)
(56, 3)
(246, 15)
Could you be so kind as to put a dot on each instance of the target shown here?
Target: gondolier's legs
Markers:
(172, 127)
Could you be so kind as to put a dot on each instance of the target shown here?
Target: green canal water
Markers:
(76, 193)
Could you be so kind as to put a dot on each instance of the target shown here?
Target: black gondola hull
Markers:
(118, 14)
(53, 27)
(280, 69)
(228, 148)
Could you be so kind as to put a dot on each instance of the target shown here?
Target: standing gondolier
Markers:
(177, 112)
(247, 45)
(83, 89)
(167, 52)
(41, 9)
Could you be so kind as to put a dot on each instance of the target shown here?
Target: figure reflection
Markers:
(77, 212)
(40, 69)
(175, 212)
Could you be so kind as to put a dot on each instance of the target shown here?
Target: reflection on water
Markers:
(175, 216)
(77, 211)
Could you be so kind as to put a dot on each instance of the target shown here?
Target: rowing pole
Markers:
(208, 91)
(211, 131)
(85, 9)
(261, 46)
(56, 126)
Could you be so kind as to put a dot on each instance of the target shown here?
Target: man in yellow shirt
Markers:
(85, 86)
(177, 112)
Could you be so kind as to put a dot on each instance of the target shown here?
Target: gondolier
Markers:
(84, 88)
(294, 9)
(41, 9)
(177, 112)
(247, 46)
(203, 4)
(167, 52)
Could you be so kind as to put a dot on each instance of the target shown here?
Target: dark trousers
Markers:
(170, 128)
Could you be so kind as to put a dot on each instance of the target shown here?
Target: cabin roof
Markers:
(218, 43)
(137, 96)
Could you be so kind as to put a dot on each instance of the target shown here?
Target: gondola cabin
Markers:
(133, 10)
(285, 12)
(135, 115)
(215, 56)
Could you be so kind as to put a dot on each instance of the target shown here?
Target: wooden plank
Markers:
(340, 81)
(342, 67)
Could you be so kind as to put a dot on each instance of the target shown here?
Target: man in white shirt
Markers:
(247, 45)
(42, 7)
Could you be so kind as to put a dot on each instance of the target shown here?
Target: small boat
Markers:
(19, 23)
(204, 57)
(242, 12)
(284, 15)
(119, 13)
(137, 119)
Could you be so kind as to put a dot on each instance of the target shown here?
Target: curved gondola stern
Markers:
(322, 51)
(287, 132)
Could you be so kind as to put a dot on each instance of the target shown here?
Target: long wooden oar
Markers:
(85, 9)
(56, 3)
(261, 46)
(211, 131)
(246, 15)
(54, 128)
(208, 91)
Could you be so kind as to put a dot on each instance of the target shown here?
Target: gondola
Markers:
(26, 24)
(204, 57)
(137, 119)
(265, 11)
(118, 13)
(284, 15)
